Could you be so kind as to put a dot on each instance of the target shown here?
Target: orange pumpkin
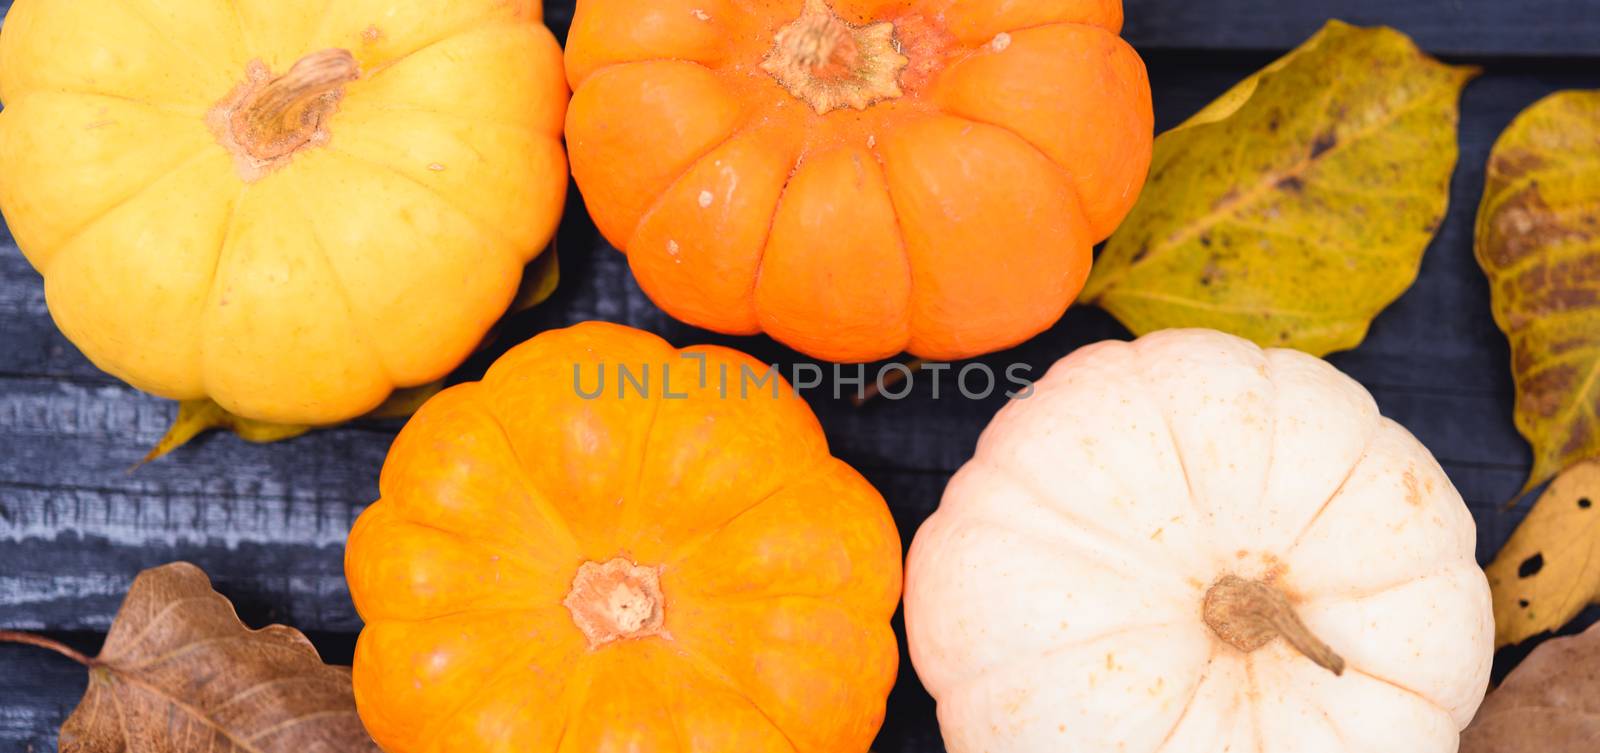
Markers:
(690, 570)
(860, 178)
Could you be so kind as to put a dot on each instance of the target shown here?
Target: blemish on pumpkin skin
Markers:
(1275, 570)
(700, 15)
(372, 34)
(1016, 699)
(1413, 488)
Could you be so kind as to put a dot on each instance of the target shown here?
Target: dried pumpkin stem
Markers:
(825, 62)
(1249, 614)
(288, 111)
(12, 636)
(616, 601)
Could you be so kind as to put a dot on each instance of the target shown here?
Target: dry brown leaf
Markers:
(1539, 242)
(180, 673)
(1549, 704)
(1550, 569)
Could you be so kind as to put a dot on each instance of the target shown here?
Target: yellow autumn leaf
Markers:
(1550, 569)
(539, 281)
(1538, 240)
(1296, 207)
(403, 403)
(195, 417)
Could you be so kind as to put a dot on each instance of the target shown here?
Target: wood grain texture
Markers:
(268, 522)
(1529, 28)
(1537, 28)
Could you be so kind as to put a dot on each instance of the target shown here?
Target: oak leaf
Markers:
(1538, 240)
(1549, 704)
(1298, 205)
(180, 672)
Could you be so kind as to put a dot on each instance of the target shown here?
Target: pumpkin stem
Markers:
(274, 120)
(1249, 614)
(825, 62)
(615, 601)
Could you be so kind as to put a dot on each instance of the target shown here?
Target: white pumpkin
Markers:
(1187, 544)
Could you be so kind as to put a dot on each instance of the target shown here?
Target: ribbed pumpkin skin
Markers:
(779, 565)
(952, 221)
(1056, 600)
(374, 261)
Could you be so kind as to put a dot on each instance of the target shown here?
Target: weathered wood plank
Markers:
(37, 691)
(1538, 28)
(268, 522)
(68, 552)
(1531, 28)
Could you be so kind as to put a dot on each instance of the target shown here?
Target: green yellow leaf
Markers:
(403, 403)
(1538, 241)
(539, 281)
(196, 417)
(1296, 207)
(1550, 569)
(1229, 103)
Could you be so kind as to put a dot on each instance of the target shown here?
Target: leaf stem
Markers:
(872, 391)
(12, 636)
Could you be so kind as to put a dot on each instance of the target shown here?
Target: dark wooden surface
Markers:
(269, 522)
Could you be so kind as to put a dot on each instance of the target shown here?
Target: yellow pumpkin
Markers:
(290, 207)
